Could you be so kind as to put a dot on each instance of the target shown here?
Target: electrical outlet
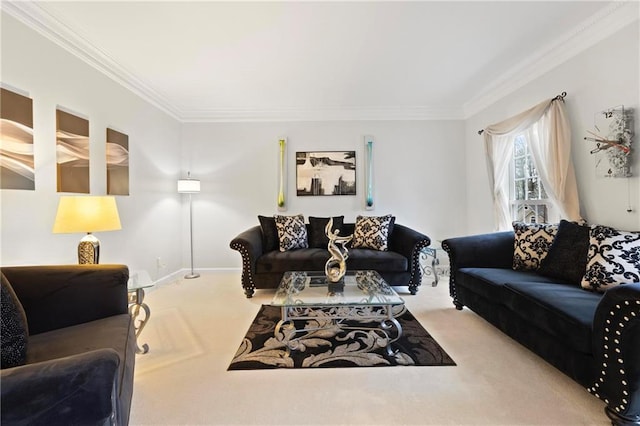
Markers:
(159, 263)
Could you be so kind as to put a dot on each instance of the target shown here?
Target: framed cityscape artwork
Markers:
(326, 173)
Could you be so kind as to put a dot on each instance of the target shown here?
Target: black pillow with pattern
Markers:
(13, 328)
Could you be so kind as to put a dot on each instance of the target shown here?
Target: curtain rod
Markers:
(560, 97)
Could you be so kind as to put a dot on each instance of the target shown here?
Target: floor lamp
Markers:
(190, 186)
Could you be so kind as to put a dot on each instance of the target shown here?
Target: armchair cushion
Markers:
(75, 390)
(14, 330)
(372, 232)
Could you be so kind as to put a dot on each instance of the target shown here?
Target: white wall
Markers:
(603, 76)
(417, 170)
(149, 215)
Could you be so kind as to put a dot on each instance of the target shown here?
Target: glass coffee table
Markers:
(362, 296)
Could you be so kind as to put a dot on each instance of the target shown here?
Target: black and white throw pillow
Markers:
(613, 258)
(292, 232)
(372, 232)
(532, 243)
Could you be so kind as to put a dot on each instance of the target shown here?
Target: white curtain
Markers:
(549, 137)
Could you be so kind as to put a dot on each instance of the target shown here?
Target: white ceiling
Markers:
(226, 61)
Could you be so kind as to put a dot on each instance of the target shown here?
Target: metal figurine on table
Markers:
(336, 266)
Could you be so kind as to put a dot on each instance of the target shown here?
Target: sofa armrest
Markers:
(249, 244)
(494, 250)
(616, 340)
(78, 389)
(58, 296)
(409, 242)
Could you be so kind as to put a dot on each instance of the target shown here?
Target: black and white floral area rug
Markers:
(327, 344)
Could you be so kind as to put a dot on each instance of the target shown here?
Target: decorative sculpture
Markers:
(336, 266)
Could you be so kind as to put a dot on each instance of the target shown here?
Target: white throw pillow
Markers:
(532, 243)
(613, 258)
(292, 232)
(372, 232)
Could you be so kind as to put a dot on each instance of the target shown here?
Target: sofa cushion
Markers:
(531, 244)
(310, 259)
(613, 258)
(13, 330)
(488, 282)
(317, 236)
(567, 257)
(292, 232)
(389, 261)
(562, 310)
(269, 230)
(372, 232)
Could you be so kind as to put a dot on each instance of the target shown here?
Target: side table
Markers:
(429, 268)
(138, 281)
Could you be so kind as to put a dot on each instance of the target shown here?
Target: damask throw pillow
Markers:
(613, 258)
(292, 232)
(532, 243)
(13, 328)
(317, 235)
(372, 232)
(567, 257)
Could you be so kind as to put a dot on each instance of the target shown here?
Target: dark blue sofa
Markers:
(594, 338)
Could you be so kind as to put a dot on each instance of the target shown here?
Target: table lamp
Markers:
(87, 214)
(190, 186)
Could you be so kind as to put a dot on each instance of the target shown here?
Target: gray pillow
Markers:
(14, 331)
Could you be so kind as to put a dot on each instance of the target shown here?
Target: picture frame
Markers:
(321, 173)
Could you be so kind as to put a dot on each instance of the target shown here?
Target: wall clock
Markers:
(612, 137)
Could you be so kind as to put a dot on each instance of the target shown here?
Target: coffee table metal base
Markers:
(388, 328)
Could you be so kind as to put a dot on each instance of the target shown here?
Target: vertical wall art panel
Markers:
(72, 152)
(282, 174)
(117, 163)
(368, 173)
(16, 141)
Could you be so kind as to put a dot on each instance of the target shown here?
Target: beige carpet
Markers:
(197, 325)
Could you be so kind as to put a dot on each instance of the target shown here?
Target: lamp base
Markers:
(89, 250)
(192, 275)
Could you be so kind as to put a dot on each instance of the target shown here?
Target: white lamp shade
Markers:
(86, 214)
(188, 186)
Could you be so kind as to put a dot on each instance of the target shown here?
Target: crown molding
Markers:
(323, 114)
(596, 28)
(47, 25)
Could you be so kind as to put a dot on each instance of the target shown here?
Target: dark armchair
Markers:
(80, 352)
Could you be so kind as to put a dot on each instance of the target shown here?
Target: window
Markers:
(529, 201)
